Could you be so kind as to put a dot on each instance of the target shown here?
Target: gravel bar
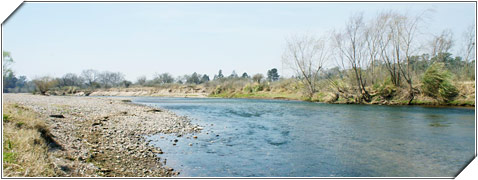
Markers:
(104, 136)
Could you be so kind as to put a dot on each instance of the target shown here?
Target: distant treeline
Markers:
(93, 79)
(388, 57)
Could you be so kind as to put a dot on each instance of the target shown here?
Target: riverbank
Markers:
(462, 100)
(419, 100)
(90, 136)
(378, 95)
(183, 91)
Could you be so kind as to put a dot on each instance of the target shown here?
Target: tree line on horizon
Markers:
(94, 79)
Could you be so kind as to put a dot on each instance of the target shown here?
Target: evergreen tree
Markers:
(233, 75)
(272, 75)
(193, 79)
(245, 75)
(205, 78)
(219, 75)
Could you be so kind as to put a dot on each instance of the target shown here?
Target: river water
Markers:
(276, 138)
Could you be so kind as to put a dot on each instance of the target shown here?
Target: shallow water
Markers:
(274, 138)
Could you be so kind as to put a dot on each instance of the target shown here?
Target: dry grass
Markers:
(25, 152)
(466, 88)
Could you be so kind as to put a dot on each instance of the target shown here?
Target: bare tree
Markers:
(103, 79)
(442, 43)
(306, 55)
(90, 76)
(43, 84)
(257, 78)
(469, 43)
(110, 79)
(70, 79)
(387, 52)
(373, 35)
(398, 45)
(163, 78)
(141, 80)
(469, 50)
(116, 78)
(351, 46)
(409, 28)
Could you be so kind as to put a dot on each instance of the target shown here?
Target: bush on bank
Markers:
(437, 83)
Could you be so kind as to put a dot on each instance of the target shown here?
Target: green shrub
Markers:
(20, 124)
(258, 87)
(376, 86)
(437, 83)
(44, 84)
(247, 89)
(267, 87)
(447, 91)
(218, 90)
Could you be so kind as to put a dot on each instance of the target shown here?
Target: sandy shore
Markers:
(102, 136)
(149, 91)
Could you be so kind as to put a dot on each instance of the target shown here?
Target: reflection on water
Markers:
(270, 138)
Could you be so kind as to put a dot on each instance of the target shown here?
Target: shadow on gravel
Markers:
(48, 137)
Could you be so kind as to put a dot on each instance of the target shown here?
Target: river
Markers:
(276, 138)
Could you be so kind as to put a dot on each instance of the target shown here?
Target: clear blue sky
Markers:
(180, 38)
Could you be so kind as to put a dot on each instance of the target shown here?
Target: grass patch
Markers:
(8, 157)
(422, 102)
(6, 118)
(462, 103)
(19, 124)
(25, 152)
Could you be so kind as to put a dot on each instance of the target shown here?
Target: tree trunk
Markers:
(411, 92)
